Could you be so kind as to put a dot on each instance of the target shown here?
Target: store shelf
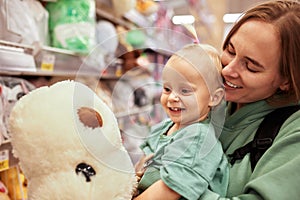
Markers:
(20, 59)
(134, 111)
(16, 58)
(107, 15)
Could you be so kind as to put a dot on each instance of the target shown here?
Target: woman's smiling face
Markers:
(251, 63)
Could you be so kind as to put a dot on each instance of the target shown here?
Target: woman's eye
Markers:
(251, 70)
(230, 50)
(249, 67)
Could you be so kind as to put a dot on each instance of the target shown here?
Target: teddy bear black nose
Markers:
(86, 170)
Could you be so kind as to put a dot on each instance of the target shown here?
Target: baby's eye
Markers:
(166, 90)
(186, 91)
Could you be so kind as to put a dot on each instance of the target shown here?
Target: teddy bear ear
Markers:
(90, 117)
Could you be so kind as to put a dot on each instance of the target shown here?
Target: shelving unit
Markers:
(46, 61)
(18, 59)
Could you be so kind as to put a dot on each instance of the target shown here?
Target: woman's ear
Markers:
(216, 97)
(285, 86)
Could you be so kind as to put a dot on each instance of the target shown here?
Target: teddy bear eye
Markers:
(90, 117)
(86, 170)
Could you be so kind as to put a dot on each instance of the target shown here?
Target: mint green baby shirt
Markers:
(188, 161)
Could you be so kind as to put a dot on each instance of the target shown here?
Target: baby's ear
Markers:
(216, 97)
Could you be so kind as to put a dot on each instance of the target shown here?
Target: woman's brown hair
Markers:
(285, 17)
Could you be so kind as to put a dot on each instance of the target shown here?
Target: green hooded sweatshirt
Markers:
(277, 173)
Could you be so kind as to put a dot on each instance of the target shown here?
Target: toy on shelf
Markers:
(69, 145)
(3, 192)
(120, 7)
(13, 184)
(11, 90)
(147, 7)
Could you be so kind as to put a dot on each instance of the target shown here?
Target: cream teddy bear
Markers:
(69, 145)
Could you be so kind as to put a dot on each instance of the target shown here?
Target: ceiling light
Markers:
(183, 19)
(231, 17)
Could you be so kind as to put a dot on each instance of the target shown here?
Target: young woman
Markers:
(261, 71)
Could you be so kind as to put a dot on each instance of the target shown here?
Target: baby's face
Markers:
(185, 97)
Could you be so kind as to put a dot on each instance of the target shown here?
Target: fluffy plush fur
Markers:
(69, 145)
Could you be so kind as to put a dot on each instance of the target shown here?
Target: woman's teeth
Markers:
(232, 85)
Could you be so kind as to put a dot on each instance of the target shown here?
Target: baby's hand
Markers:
(141, 165)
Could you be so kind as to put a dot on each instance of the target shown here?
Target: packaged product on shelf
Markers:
(23, 22)
(72, 24)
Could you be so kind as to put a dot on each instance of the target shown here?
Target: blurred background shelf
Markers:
(20, 59)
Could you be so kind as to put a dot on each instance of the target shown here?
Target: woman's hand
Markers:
(141, 165)
(140, 168)
(158, 191)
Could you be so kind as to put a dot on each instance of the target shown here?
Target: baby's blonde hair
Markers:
(206, 60)
(213, 54)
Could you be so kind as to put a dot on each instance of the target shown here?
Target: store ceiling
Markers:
(234, 6)
(208, 13)
(231, 6)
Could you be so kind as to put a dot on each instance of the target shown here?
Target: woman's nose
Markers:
(230, 68)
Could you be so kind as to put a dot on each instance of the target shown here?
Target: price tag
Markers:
(4, 160)
(48, 62)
